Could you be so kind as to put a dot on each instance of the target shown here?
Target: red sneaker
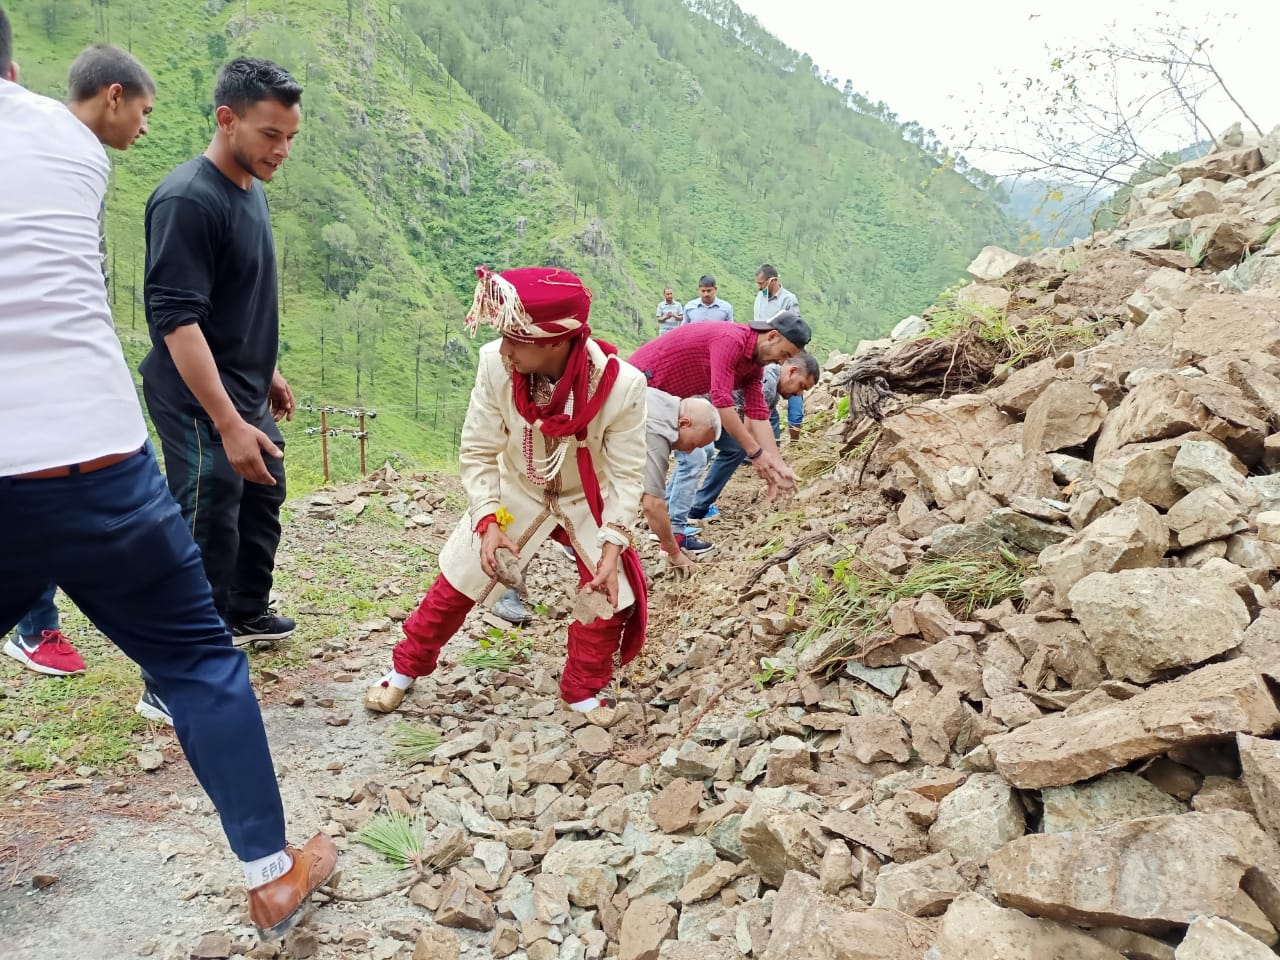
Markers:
(49, 653)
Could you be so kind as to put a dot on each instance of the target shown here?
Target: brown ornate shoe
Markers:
(383, 698)
(276, 906)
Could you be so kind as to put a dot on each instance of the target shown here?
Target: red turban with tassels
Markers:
(530, 304)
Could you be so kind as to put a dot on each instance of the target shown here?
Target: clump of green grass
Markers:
(401, 839)
(1196, 245)
(1016, 341)
(498, 650)
(857, 599)
(414, 744)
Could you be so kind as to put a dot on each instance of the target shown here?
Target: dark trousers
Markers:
(41, 617)
(115, 542)
(235, 523)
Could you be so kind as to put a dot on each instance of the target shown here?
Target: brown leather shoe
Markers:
(383, 698)
(276, 906)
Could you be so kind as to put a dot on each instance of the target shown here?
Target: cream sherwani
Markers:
(493, 467)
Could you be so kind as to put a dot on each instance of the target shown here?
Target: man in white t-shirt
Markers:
(83, 504)
(111, 93)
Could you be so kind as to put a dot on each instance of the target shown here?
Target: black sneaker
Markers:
(693, 546)
(153, 708)
(267, 626)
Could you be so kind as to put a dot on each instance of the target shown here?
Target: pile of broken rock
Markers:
(1088, 772)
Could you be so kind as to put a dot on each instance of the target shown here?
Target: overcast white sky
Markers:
(929, 59)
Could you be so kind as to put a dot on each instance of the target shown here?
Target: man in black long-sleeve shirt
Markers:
(210, 381)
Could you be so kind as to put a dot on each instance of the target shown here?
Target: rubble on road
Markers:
(997, 684)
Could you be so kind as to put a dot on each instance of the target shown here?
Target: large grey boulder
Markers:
(1143, 622)
(993, 264)
(1130, 536)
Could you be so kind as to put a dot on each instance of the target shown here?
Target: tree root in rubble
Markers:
(711, 702)
(783, 556)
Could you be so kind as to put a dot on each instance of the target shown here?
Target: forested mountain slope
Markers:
(638, 143)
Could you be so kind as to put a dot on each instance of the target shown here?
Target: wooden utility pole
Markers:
(324, 442)
(363, 437)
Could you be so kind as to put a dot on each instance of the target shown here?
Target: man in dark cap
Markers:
(719, 358)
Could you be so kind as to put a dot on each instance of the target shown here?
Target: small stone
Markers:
(676, 807)
(836, 871)
(922, 888)
(1213, 938)
(300, 944)
(150, 760)
(506, 939)
(462, 905)
(706, 885)
(977, 819)
(437, 943)
(646, 923)
(593, 740)
(550, 899)
(212, 946)
(555, 772)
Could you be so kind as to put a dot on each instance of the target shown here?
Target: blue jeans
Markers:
(42, 616)
(684, 484)
(795, 411)
(115, 542)
(729, 456)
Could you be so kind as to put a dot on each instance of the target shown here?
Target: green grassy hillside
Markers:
(639, 144)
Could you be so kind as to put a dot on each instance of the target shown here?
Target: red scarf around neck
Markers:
(554, 422)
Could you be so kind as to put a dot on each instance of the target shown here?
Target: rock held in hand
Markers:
(592, 605)
(509, 572)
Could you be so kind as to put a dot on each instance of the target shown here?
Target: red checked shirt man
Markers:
(718, 358)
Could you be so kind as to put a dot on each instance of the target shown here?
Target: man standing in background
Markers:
(670, 314)
(773, 298)
(210, 381)
(111, 93)
(707, 306)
